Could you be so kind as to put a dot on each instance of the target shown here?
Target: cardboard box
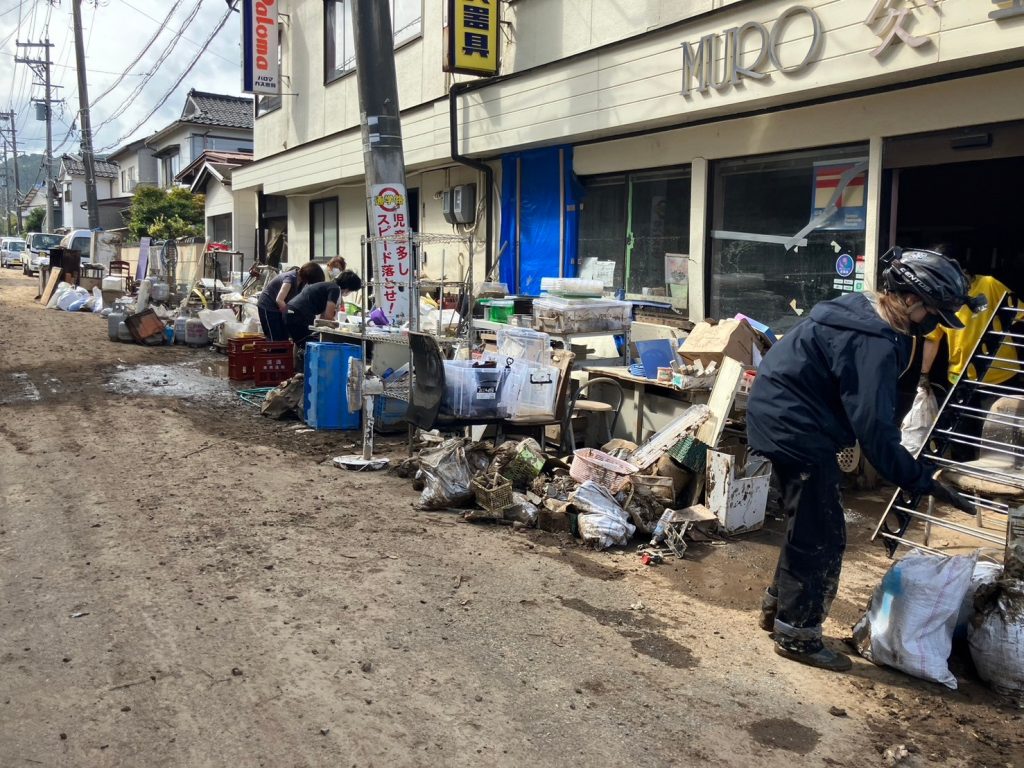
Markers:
(727, 338)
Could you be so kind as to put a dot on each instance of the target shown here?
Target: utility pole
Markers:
(9, 116)
(83, 105)
(7, 196)
(41, 68)
(383, 159)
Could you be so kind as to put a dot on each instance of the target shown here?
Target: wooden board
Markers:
(51, 286)
(720, 403)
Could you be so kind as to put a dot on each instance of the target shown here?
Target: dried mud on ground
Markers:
(183, 583)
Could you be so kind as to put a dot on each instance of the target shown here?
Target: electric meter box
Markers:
(458, 204)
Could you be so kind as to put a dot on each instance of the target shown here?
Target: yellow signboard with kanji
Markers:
(472, 37)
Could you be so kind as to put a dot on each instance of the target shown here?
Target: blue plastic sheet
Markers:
(533, 245)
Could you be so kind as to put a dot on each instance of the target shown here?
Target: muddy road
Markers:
(183, 583)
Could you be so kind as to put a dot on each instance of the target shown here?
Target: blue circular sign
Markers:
(845, 265)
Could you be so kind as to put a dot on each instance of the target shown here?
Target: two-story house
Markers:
(209, 121)
(137, 166)
(70, 184)
(730, 156)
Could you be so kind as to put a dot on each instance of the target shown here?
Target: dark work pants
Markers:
(273, 325)
(807, 575)
(298, 328)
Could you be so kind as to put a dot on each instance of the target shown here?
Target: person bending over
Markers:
(830, 381)
(273, 301)
(320, 300)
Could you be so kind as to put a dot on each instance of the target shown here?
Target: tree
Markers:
(165, 215)
(34, 220)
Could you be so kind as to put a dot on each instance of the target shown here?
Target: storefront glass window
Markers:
(633, 221)
(759, 267)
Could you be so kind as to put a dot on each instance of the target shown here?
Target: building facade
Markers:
(137, 166)
(724, 157)
(71, 191)
(209, 121)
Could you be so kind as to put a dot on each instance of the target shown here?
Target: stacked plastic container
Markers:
(558, 315)
(472, 392)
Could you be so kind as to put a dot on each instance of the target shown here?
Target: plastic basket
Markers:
(523, 467)
(496, 499)
(690, 453)
(602, 468)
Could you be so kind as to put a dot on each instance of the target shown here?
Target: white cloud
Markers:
(115, 33)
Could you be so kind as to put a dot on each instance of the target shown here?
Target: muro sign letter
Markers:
(717, 61)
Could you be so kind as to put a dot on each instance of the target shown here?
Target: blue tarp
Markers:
(536, 247)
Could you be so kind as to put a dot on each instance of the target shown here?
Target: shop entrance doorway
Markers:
(962, 189)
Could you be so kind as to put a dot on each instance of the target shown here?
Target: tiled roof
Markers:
(217, 109)
(76, 167)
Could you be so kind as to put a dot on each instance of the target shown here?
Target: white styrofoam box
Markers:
(738, 502)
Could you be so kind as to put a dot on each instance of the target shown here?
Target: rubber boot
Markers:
(769, 606)
(823, 658)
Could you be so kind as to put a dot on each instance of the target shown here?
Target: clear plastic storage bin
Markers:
(524, 344)
(555, 315)
(530, 389)
(472, 393)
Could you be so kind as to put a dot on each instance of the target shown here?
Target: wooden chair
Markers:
(123, 270)
(590, 408)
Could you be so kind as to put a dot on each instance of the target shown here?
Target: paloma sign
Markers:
(260, 47)
(718, 60)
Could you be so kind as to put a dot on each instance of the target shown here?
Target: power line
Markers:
(177, 82)
(120, 110)
(141, 53)
(178, 32)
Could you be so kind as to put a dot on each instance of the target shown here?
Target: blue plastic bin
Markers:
(325, 396)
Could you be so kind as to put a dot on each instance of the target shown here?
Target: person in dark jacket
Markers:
(272, 304)
(830, 381)
(321, 300)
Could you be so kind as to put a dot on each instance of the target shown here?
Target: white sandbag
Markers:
(996, 639)
(97, 300)
(71, 297)
(985, 572)
(919, 420)
(59, 291)
(910, 619)
(602, 521)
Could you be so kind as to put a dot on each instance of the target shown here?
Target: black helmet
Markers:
(938, 281)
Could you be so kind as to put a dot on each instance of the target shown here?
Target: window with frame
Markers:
(170, 165)
(760, 204)
(339, 37)
(635, 220)
(323, 229)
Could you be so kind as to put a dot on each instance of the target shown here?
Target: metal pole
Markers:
(7, 196)
(383, 158)
(83, 106)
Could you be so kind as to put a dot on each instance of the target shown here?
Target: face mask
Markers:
(926, 326)
(335, 273)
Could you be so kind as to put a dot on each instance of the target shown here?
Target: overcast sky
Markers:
(116, 33)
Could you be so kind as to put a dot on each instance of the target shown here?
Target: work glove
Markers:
(947, 495)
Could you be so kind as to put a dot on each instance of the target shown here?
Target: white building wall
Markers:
(243, 223)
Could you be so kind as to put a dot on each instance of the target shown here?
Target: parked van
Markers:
(78, 240)
(12, 249)
(39, 245)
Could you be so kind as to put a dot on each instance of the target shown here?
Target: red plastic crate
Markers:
(241, 359)
(273, 363)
